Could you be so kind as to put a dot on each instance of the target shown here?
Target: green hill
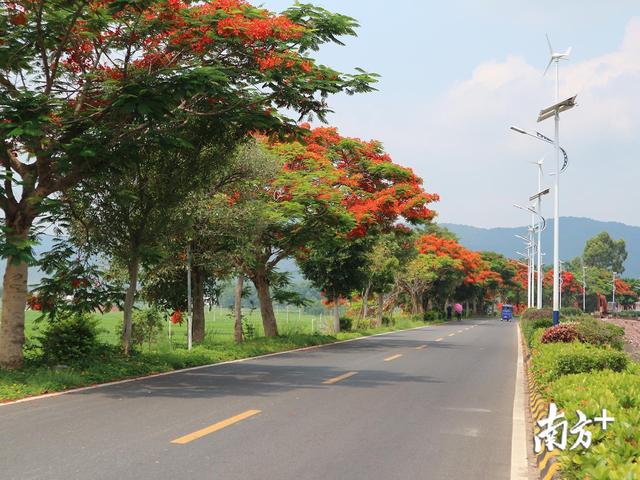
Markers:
(574, 233)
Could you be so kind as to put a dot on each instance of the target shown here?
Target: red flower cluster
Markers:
(565, 333)
(472, 264)
(176, 317)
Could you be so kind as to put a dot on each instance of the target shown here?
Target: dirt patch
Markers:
(631, 334)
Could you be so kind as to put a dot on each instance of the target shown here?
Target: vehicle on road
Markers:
(507, 312)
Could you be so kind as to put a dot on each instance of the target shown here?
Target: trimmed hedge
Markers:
(597, 332)
(615, 453)
(535, 314)
(529, 328)
(553, 360)
(571, 312)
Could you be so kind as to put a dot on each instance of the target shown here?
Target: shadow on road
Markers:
(249, 379)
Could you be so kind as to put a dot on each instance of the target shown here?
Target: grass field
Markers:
(218, 325)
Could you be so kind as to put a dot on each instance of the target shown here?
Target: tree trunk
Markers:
(197, 281)
(336, 315)
(266, 305)
(237, 310)
(380, 309)
(365, 301)
(14, 300)
(129, 300)
(415, 304)
(424, 303)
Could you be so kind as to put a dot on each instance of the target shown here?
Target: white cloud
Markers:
(479, 167)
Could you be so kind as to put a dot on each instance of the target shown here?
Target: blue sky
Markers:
(456, 74)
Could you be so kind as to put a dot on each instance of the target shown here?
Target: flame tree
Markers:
(79, 78)
(334, 194)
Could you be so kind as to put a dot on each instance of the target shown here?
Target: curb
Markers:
(547, 462)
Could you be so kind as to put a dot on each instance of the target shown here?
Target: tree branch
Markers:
(10, 161)
(5, 82)
(58, 53)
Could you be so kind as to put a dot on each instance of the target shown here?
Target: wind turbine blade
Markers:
(548, 65)
(549, 43)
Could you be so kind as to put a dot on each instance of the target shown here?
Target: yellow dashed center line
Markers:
(333, 380)
(392, 357)
(215, 427)
(420, 347)
(451, 335)
(439, 339)
(460, 331)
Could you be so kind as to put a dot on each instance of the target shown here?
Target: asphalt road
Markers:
(431, 403)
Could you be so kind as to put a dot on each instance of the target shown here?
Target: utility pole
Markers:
(613, 286)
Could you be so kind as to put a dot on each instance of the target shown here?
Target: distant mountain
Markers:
(574, 232)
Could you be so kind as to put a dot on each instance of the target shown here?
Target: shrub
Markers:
(248, 330)
(565, 333)
(597, 332)
(388, 321)
(553, 360)
(432, 315)
(571, 312)
(146, 325)
(614, 453)
(629, 314)
(346, 323)
(70, 339)
(535, 314)
(530, 326)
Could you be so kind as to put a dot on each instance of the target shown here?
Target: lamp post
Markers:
(538, 227)
(538, 196)
(530, 249)
(554, 111)
(528, 257)
(613, 296)
(584, 286)
(189, 303)
(561, 282)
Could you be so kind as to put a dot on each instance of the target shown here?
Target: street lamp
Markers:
(189, 302)
(530, 266)
(538, 196)
(613, 288)
(538, 227)
(549, 112)
(539, 136)
(584, 286)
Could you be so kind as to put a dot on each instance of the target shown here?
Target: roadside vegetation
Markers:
(580, 364)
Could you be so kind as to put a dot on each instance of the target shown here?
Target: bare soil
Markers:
(631, 334)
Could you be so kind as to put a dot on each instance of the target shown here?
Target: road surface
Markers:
(430, 403)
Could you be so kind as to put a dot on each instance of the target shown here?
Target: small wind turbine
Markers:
(555, 56)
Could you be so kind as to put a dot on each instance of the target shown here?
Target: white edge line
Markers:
(199, 367)
(519, 465)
